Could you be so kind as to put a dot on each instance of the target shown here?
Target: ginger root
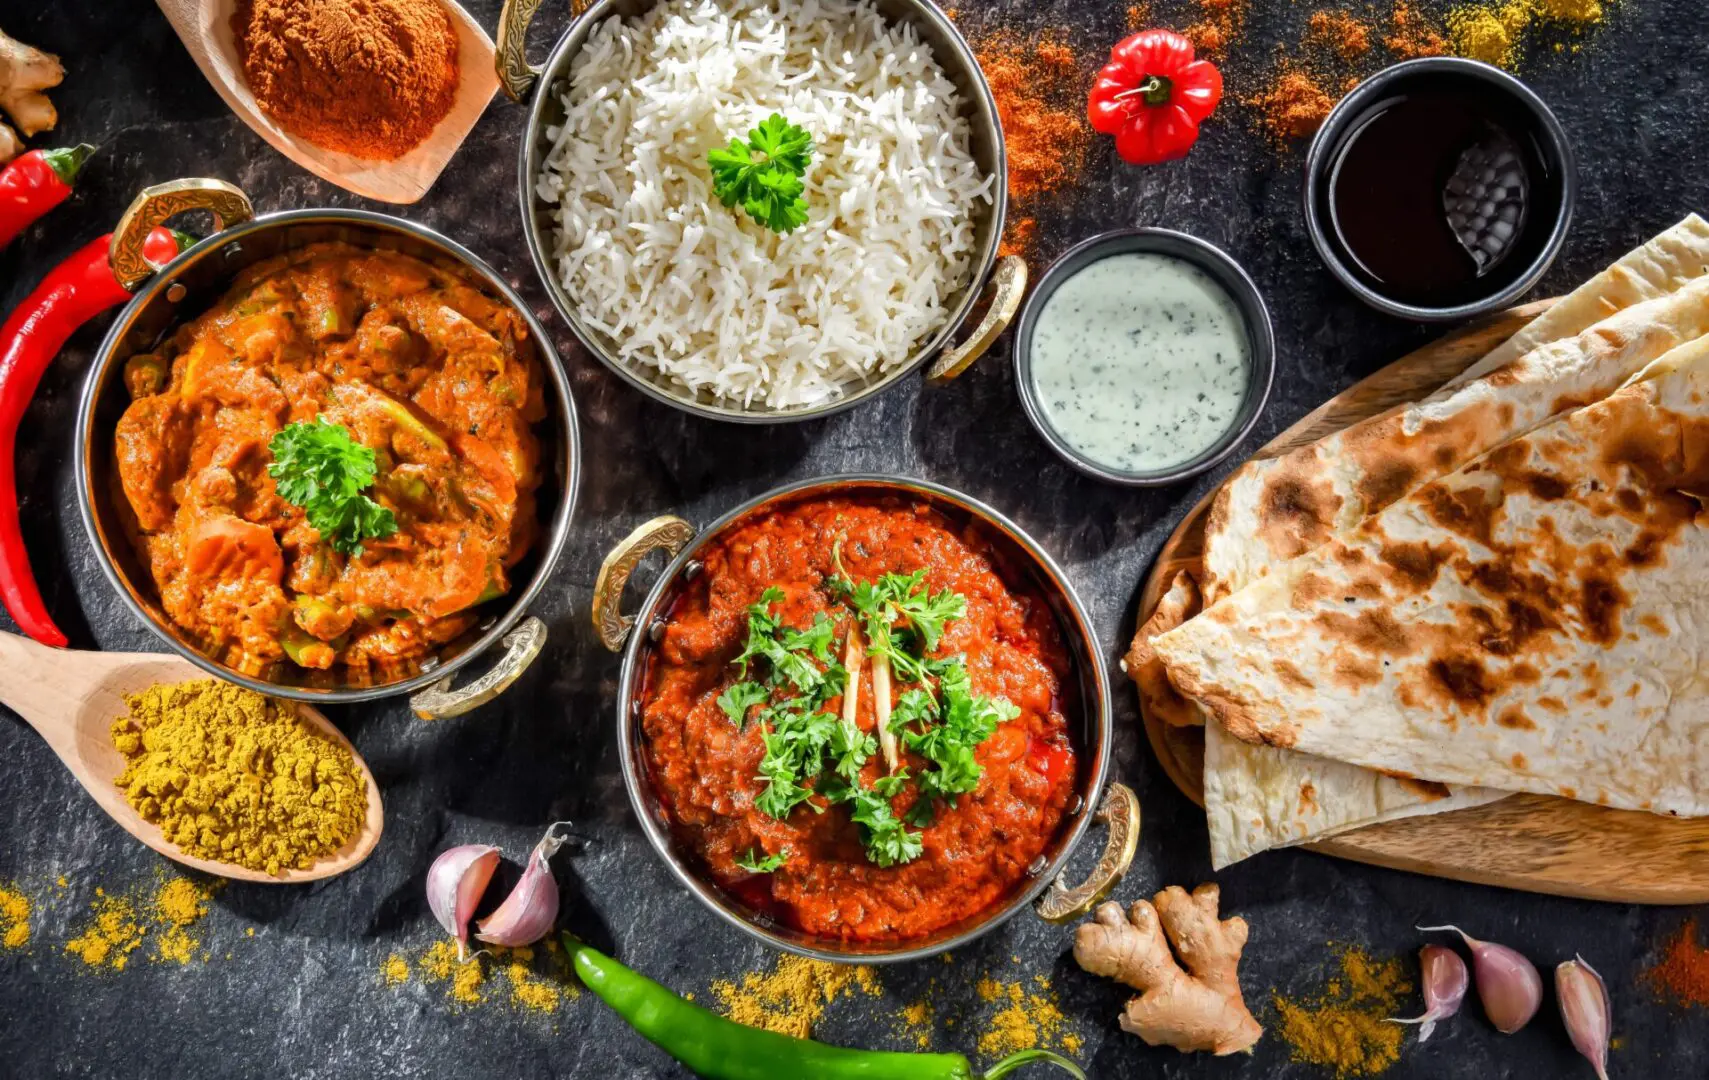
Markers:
(24, 73)
(10, 145)
(1199, 1008)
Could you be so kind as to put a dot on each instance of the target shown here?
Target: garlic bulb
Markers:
(455, 883)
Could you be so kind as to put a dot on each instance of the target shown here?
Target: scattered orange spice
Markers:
(1294, 106)
(1039, 88)
(1138, 17)
(1018, 236)
(1412, 35)
(1218, 26)
(1348, 35)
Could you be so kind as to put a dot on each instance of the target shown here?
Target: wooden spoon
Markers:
(205, 28)
(72, 698)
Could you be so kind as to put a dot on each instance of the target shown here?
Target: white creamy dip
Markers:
(1140, 361)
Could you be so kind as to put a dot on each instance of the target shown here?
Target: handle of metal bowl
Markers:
(1009, 285)
(515, 74)
(153, 205)
(1119, 811)
(669, 534)
(521, 646)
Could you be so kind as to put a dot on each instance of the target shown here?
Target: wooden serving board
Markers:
(1532, 842)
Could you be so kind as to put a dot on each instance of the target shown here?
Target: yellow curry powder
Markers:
(1493, 31)
(1026, 1020)
(791, 999)
(465, 979)
(178, 904)
(232, 776)
(111, 936)
(1346, 1028)
(395, 970)
(14, 918)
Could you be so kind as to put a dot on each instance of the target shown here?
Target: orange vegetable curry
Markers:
(434, 376)
(706, 769)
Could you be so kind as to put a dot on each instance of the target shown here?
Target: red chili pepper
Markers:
(1152, 96)
(77, 290)
(36, 183)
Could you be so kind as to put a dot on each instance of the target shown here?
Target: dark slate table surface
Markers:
(302, 996)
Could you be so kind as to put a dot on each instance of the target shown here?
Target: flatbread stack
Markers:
(1372, 605)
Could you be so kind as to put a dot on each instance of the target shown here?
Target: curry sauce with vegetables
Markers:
(336, 463)
(856, 724)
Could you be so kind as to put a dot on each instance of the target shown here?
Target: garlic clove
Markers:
(1445, 981)
(528, 913)
(1508, 984)
(455, 883)
(1585, 1011)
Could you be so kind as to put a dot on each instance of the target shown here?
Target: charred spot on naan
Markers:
(1514, 718)
(1297, 506)
(1157, 694)
(1462, 679)
(1416, 563)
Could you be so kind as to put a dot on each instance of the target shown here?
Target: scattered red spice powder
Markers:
(1138, 17)
(1350, 37)
(1412, 35)
(1039, 89)
(1682, 972)
(1019, 236)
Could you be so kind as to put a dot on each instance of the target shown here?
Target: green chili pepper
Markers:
(720, 1049)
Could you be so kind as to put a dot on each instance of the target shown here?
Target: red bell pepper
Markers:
(36, 183)
(1152, 96)
(76, 291)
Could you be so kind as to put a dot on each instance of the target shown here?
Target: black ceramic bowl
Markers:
(1224, 271)
(1553, 193)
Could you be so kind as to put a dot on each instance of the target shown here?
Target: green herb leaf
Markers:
(763, 175)
(739, 698)
(887, 840)
(317, 466)
(753, 864)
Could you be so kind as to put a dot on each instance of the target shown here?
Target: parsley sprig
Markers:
(810, 751)
(754, 864)
(763, 174)
(317, 466)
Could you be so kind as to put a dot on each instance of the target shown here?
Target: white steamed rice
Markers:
(700, 292)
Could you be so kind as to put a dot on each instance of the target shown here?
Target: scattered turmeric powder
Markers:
(178, 904)
(395, 970)
(14, 918)
(465, 979)
(1493, 31)
(1346, 1028)
(917, 1019)
(111, 936)
(1025, 1020)
(792, 998)
(233, 776)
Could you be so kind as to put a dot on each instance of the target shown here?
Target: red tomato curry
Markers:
(436, 377)
(706, 771)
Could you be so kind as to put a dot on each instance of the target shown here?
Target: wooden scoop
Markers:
(72, 698)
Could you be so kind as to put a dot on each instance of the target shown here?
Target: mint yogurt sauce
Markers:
(1140, 361)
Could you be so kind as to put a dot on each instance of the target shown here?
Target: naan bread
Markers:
(1532, 622)
(1662, 266)
(1259, 797)
(1157, 696)
(1275, 510)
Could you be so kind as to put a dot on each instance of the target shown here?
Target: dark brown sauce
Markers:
(1439, 198)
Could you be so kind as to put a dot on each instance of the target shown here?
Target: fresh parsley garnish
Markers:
(790, 675)
(763, 175)
(753, 864)
(317, 466)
